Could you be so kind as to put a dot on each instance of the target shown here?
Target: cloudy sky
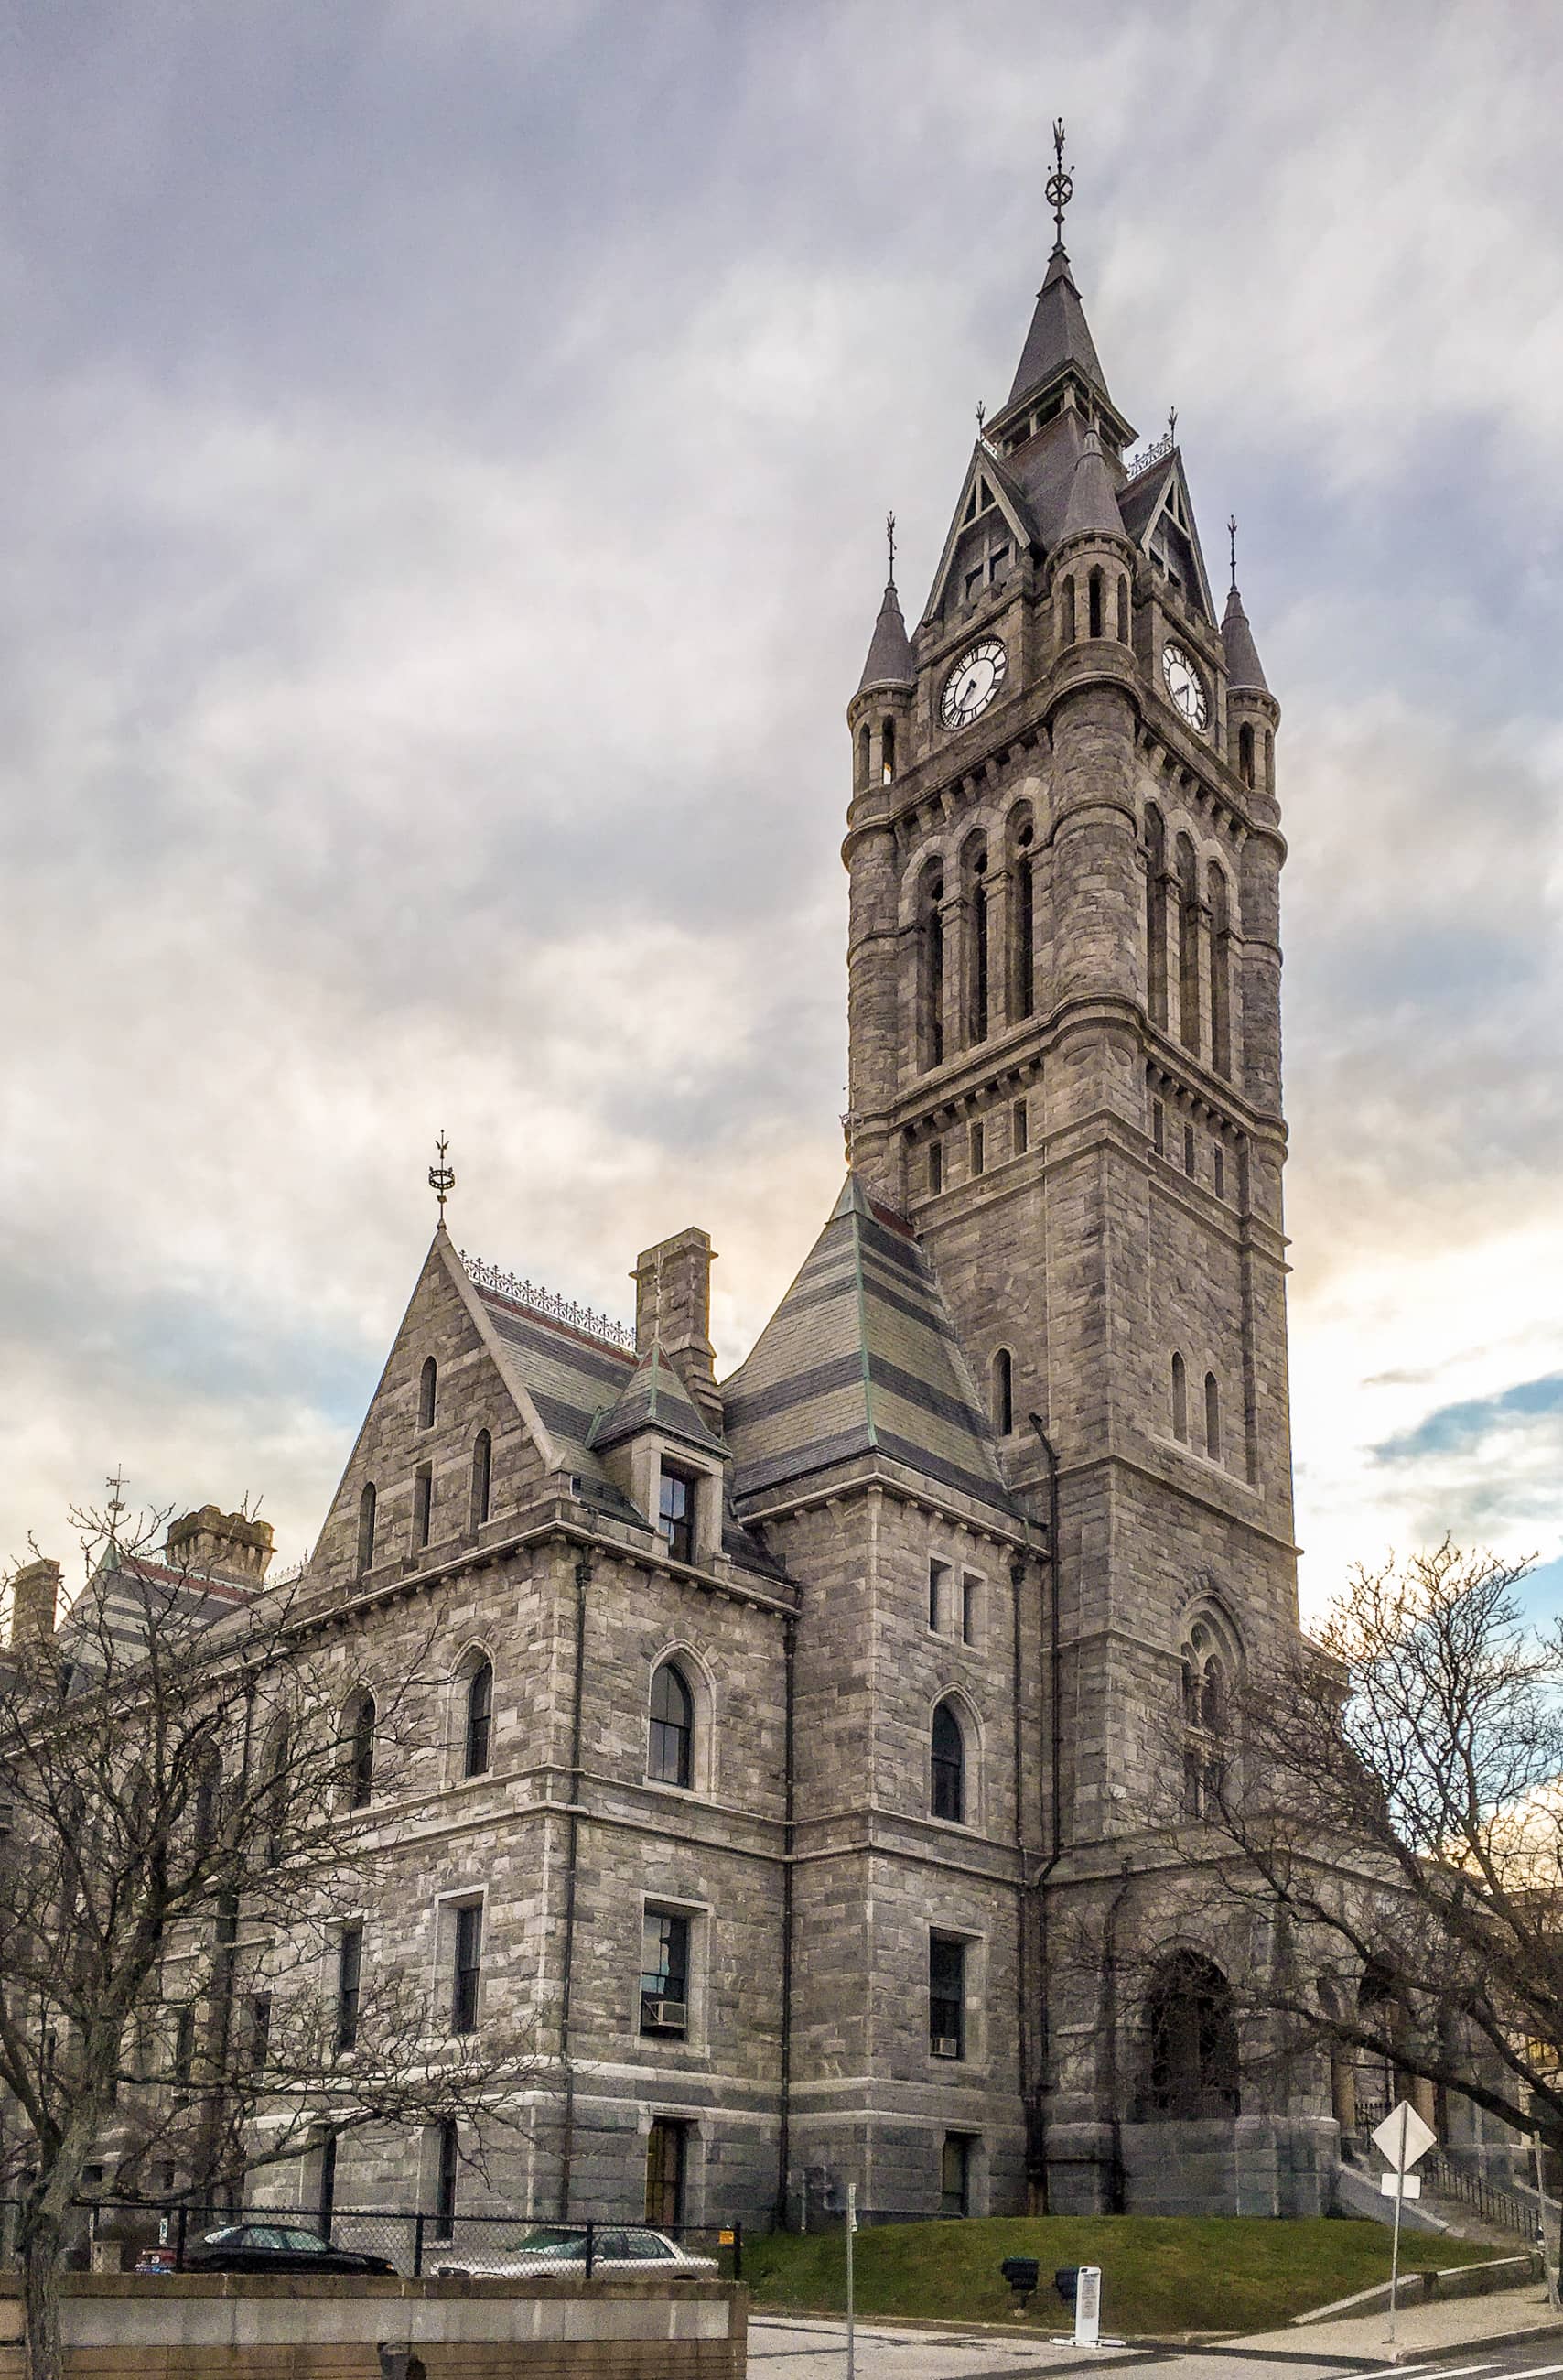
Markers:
(446, 449)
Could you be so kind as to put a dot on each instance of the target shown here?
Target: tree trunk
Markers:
(40, 2249)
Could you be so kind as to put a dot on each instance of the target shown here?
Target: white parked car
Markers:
(616, 2248)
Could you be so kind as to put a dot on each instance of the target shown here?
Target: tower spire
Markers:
(1060, 187)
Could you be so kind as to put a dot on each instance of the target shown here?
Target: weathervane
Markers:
(889, 539)
(1059, 185)
(1231, 540)
(1172, 424)
(441, 1177)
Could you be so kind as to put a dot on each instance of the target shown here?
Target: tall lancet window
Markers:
(976, 873)
(1220, 973)
(1188, 945)
(930, 967)
(1023, 916)
(1156, 914)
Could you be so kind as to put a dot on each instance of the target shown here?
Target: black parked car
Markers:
(275, 2247)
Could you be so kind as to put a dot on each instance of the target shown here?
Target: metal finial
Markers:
(1060, 187)
(441, 1177)
(846, 1136)
(890, 540)
(1172, 424)
(1231, 540)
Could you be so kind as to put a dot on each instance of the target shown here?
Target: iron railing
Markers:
(545, 1301)
(1506, 2208)
(152, 2238)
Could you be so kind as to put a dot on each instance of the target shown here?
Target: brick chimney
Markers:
(219, 1545)
(35, 1593)
(672, 1303)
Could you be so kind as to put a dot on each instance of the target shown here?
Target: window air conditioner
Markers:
(671, 2015)
(946, 2044)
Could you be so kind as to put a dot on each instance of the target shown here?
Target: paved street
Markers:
(795, 2348)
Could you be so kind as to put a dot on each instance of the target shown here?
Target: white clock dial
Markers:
(1183, 685)
(972, 682)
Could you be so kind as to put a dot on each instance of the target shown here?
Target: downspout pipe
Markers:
(1055, 1802)
(567, 2136)
(784, 2129)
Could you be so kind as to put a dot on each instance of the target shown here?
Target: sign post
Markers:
(1401, 2140)
(851, 2235)
(1088, 2306)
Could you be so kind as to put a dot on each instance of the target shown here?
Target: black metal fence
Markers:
(1507, 2209)
(141, 2236)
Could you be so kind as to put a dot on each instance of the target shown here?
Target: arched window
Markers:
(1212, 1418)
(1269, 761)
(477, 1734)
(482, 1476)
(1220, 973)
(1191, 2040)
(862, 754)
(1095, 592)
(931, 940)
(670, 1752)
(1022, 917)
(975, 868)
(1066, 611)
(949, 1766)
(366, 1528)
(1180, 1399)
(1156, 914)
(1123, 610)
(360, 1748)
(1245, 754)
(1210, 1666)
(427, 1388)
(276, 1790)
(1188, 944)
(886, 750)
(1003, 1392)
(207, 1800)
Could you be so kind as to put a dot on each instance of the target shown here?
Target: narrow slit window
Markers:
(1003, 1392)
(482, 1477)
(423, 1506)
(366, 1528)
(936, 1165)
(1018, 1130)
(349, 1983)
(427, 1392)
(979, 1143)
(1180, 1399)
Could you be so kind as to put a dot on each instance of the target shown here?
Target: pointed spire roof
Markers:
(1093, 509)
(890, 660)
(654, 1398)
(1243, 670)
(1058, 333)
(861, 1362)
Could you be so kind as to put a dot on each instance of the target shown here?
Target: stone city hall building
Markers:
(791, 1718)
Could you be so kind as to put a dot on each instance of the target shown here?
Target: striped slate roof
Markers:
(128, 1596)
(655, 1398)
(861, 1358)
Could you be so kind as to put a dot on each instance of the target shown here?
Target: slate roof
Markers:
(861, 1358)
(1058, 333)
(1242, 655)
(121, 1594)
(890, 660)
(1093, 507)
(655, 1398)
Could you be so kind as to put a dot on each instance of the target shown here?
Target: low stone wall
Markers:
(231, 2327)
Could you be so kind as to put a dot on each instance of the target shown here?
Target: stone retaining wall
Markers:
(226, 2327)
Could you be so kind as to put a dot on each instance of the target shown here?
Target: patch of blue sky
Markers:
(1540, 1593)
(1455, 1429)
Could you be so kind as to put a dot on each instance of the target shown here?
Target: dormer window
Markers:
(675, 1513)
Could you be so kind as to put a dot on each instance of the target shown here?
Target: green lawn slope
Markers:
(1162, 2276)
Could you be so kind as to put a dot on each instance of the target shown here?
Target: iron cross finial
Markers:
(1231, 540)
(889, 539)
(1059, 185)
(441, 1177)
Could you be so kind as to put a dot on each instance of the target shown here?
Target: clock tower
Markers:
(1064, 854)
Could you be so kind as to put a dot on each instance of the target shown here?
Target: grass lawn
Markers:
(1161, 2275)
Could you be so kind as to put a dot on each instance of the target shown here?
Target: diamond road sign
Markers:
(1402, 2137)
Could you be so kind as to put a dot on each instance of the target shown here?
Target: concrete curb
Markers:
(1422, 2288)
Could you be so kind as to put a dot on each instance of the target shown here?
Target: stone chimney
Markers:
(219, 1545)
(35, 1593)
(673, 1305)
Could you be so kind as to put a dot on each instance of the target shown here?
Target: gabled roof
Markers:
(1059, 334)
(1165, 489)
(654, 1398)
(1007, 496)
(861, 1358)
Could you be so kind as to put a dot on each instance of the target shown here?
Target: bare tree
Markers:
(186, 1809)
(1391, 1805)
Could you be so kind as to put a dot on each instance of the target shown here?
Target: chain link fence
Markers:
(139, 2236)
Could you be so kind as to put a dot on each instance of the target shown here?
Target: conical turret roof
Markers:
(1243, 670)
(1093, 509)
(654, 1397)
(890, 660)
(1058, 333)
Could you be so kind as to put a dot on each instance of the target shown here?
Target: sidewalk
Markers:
(1419, 2330)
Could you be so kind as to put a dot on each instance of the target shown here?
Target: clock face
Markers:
(1183, 685)
(972, 682)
